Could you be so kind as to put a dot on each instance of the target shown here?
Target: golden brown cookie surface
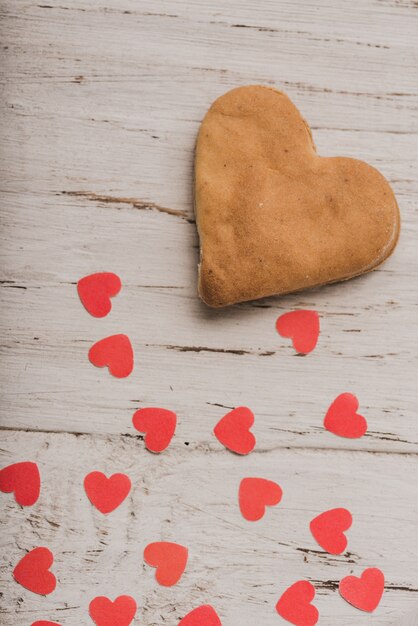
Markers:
(273, 216)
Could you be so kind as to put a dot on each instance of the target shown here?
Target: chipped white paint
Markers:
(101, 105)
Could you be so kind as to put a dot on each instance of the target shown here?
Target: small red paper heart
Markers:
(45, 623)
(170, 559)
(328, 529)
(255, 494)
(32, 572)
(365, 592)
(295, 604)
(24, 480)
(302, 327)
(159, 426)
(96, 290)
(116, 353)
(106, 494)
(204, 615)
(342, 419)
(120, 612)
(233, 430)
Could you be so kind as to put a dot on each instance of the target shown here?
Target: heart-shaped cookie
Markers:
(32, 572)
(24, 480)
(273, 216)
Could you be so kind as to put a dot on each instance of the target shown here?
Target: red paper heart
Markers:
(24, 480)
(170, 559)
(365, 592)
(96, 290)
(295, 604)
(327, 528)
(45, 623)
(255, 494)
(115, 352)
(106, 494)
(159, 426)
(302, 327)
(204, 615)
(120, 612)
(32, 572)
(342, 419)
(233, 430)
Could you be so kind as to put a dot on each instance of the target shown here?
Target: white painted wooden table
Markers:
(101, 106)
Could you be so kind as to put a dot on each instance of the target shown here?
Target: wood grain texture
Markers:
(241, 567)
(101, 103)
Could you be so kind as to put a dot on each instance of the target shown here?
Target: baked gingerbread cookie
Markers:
(273, 216)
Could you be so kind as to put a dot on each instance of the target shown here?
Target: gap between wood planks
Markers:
(199, 446)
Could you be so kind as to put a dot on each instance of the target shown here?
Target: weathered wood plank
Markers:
(190, 496)
(183, 360)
